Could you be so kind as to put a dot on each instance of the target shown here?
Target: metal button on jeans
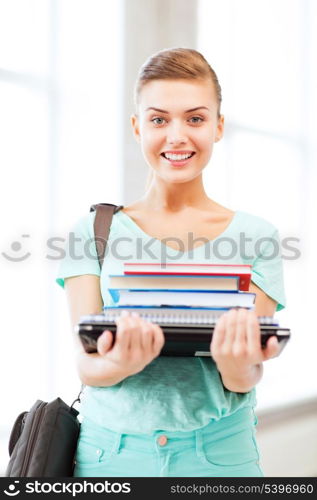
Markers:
(162, 440)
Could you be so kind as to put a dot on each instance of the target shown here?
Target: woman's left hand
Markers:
(236, 348)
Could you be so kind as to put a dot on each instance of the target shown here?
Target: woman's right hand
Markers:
(137, 343)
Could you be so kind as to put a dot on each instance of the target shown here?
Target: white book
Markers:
(186, 298)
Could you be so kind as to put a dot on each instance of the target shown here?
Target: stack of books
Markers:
(186, 300)
(181, 286)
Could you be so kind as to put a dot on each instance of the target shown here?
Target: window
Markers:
(60, 64)
(262, 53)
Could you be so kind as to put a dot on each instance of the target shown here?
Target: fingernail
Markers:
(124, 313)
(135, 315)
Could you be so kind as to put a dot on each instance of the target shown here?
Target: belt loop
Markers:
(199, 443)
(116, 443)
(165, 466)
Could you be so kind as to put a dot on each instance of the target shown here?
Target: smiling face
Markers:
(177, 125)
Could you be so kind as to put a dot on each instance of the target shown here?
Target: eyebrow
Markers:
(166, 112)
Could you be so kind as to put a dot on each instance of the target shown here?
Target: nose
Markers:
(176, 133)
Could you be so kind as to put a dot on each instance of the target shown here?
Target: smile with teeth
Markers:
(177, 157)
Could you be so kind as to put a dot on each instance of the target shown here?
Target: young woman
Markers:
(150, 415)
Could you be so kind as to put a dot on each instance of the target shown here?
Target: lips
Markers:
(178, 159)
(177, 156)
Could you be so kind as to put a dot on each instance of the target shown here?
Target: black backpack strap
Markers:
(103, 219)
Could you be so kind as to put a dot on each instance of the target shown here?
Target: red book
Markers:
(242, 271)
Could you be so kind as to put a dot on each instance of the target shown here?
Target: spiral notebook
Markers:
(171, 315)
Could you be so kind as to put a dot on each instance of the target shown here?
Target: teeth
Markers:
(176, 157)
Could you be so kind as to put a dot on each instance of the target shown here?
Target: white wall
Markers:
(287, 440)
(265, 53)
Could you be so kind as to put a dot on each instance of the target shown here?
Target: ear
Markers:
(135, 127)
(220, 128)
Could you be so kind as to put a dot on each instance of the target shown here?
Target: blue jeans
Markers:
(223, 448)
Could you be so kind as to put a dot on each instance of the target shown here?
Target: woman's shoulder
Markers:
(255, 223)
(245, 221)
(85, 223)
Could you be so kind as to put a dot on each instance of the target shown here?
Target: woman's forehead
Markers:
(171, 94)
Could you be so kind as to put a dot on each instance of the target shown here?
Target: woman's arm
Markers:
(264, 305)
(137, 341)
(236, 344)
(84, 297)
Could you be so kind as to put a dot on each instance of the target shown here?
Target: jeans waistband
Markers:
(165, 439)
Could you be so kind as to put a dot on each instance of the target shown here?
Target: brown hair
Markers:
(174, 64)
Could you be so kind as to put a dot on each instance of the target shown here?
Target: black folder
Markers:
(181, 339)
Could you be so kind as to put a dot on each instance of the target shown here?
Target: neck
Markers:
(175, 197)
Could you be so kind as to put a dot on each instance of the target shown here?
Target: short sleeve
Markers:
(267, 269)
(79, 255)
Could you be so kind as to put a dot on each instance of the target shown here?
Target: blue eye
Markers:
(158, 121)
(196, 119)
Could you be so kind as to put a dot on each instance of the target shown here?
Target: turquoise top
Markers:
(171, 393)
